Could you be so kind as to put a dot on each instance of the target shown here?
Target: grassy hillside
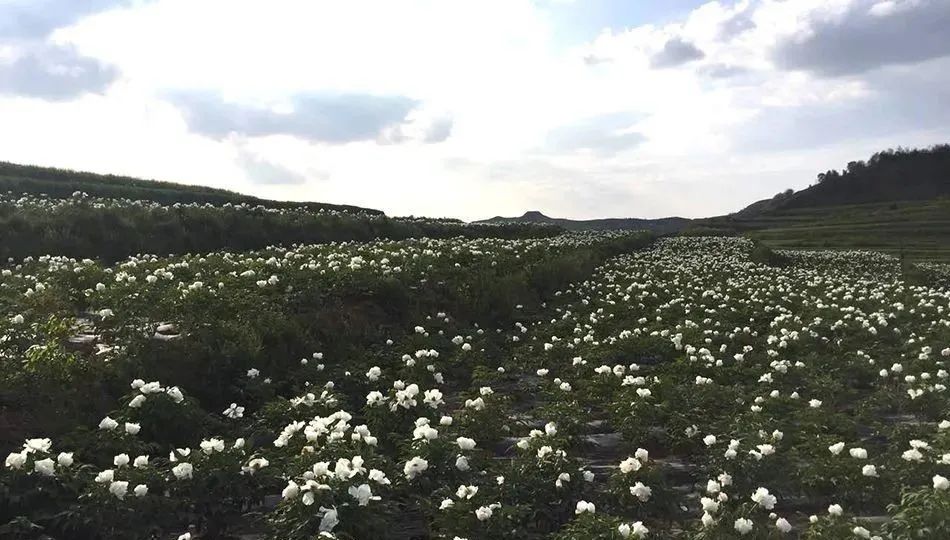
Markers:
(113, 229)
(898, 202)
(114, 217)
(920, 230)
(62, 183)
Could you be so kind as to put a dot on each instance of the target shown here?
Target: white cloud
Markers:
(122, 132)
(487, 112)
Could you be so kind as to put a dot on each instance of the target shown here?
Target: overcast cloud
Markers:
(473, 109)
(676, 51)
(867, 35)
(333, 118)
(54, 73)
(29, 19)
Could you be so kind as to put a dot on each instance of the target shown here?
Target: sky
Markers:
(471, 109)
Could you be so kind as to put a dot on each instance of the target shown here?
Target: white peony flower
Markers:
(743, 526)
(414, 467)
(630, 465)
(65, 459)
(183, 471)
(584, 506)
(483, 513)
(763, 498)
(329, 520)
(45, 467)
(119, 488)
(465, 443)
(941, 483)
(641, 492)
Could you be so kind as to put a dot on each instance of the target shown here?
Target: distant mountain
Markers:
(663, 225)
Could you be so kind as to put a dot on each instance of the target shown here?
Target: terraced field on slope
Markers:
(918, 230)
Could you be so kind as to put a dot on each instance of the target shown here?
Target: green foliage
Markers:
(898, 202)
(923, 513)
(385, 390)
(112, 229)
(762, 254)
(890, 175)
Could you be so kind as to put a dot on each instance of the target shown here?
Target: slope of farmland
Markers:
(897, 202)
(915, 230)
(569, 388)
(62, 183)
(112, 229)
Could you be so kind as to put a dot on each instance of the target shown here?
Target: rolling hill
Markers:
(61, 183)
(115, 217)
(897, 202)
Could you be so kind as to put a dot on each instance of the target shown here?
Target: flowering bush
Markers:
(569, 387)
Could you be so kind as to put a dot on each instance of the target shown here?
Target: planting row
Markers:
(572, 388)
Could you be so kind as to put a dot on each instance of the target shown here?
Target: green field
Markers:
(920, 230)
